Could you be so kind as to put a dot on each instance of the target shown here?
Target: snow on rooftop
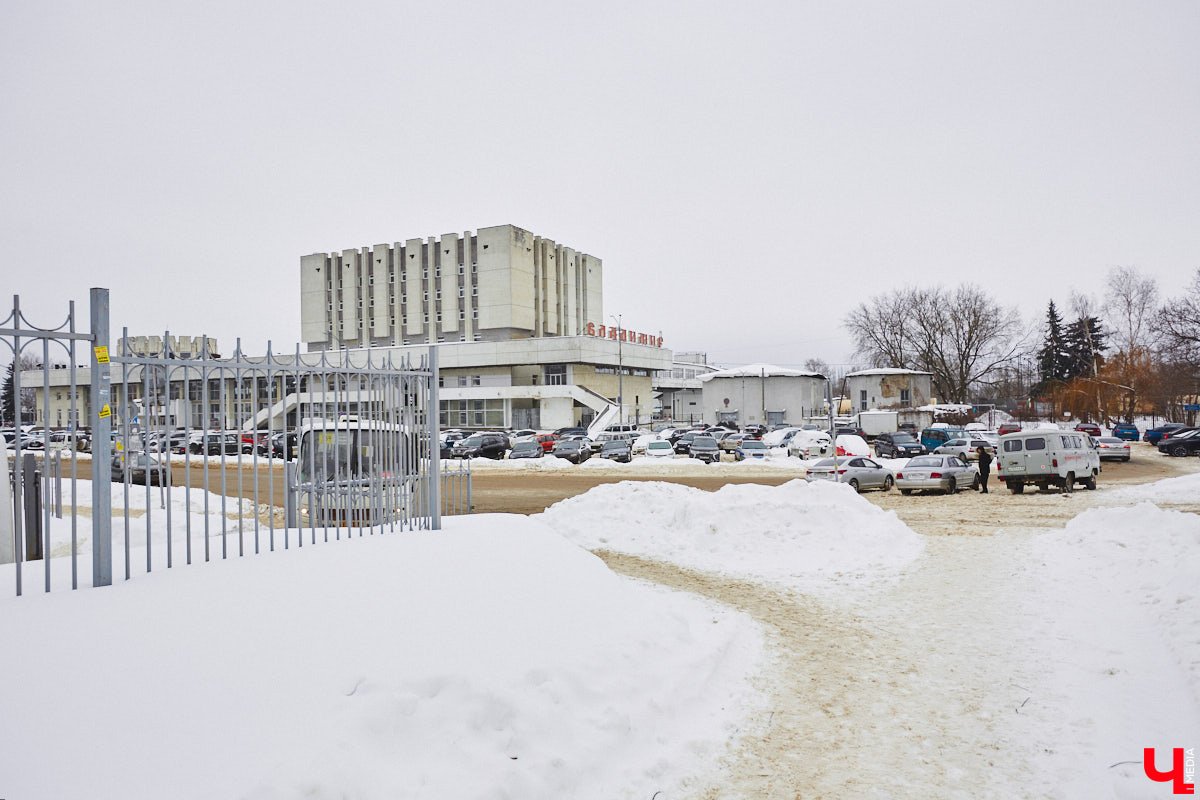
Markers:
(758, 371)
(886, 371)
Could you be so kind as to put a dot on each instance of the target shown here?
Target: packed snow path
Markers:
(994, 667)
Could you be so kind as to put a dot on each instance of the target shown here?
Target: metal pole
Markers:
(100, 422)
(435, 452)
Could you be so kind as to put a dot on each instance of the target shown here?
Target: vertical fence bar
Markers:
(433, 413)
(45, 510)
(100, 422)
(75, 440)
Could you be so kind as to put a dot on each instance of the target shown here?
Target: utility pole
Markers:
(620, 373)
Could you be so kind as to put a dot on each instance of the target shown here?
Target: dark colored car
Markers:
(574, 450)
(1127, 431)
(684, 443)
(900, 444)
(756, 431)
(705, 449)
(1090, 428)
(529, 448)
(1181, 442)
(617, 450)
(284, 445)
(1153, 435)
(1008, 427)
(214, 444)
(139, 467)
(850, 430)
(480, 445)
(563, 433)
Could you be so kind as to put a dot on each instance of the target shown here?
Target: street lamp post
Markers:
(620, 372)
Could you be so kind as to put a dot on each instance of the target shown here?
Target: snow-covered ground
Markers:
(499, 658)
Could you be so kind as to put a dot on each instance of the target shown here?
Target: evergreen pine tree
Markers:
(1084, 339)
(8, 409)
(1053, 356)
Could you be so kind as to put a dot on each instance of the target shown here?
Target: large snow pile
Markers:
(1125, 592)
(1182, 490)
(815, 536)
(490, 660)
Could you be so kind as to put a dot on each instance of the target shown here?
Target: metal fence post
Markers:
(100, 422)
(435, 451)
(291, 497)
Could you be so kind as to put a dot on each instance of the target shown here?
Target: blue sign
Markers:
(1191, 406)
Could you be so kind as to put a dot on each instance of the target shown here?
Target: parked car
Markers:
(1047, 458)
(480, 445)
(1008, 427)
(730, 442)
(545, 441)
(937, 473)
(850, 430)
(810, 444)
(1182, 442)
(285, 445)
(576, 450)
(617, 450)
(521, 434)
(933, 438)
(705, 448)
(1113, 449)
(570, 431)
(529, 448)
(1153, 435)
(1127, 431)
(750, 448)
(215, 444)
(900, 444)
(858, 472)
(1090, 428)
(966, 449)
(683, 443)
(139, 468)
(660, 449)
(757, 431)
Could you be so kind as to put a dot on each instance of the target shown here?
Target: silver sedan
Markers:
(939, 473)
(859, 472)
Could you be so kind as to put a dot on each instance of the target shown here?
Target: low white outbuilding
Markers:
(761, 394)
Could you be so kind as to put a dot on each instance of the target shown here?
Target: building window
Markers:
(905, 396)
(462, 315)
(475, 313)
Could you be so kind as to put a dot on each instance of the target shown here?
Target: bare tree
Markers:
(962, 336)
(818, 365)
(1177, 325)
(1131, 301)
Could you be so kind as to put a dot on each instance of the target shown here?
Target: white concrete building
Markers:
(761, 394)
(679, 389)
(497, 284)
(888, 388)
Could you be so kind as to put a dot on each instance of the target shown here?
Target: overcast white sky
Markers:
(747, 172)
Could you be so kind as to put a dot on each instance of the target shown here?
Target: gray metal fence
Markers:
(196, 457)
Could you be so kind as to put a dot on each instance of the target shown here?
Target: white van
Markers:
(1047, 458)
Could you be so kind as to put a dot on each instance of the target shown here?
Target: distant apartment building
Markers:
(498, 284)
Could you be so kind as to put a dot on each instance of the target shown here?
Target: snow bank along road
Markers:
(1028, 651)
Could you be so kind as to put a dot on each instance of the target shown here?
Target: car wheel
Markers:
(1016, 487)
(1179, 450)
(975, 483)
(1090, 482)
(1126, 459)
(887, 483)
(953, 487)
(1069, 484)
(906, 492)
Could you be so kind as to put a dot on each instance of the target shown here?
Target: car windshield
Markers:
(569, 445)
(471, 441)
(527, 446)
(659, 446)
(704, 441)
(753, 444)
(903, 438)
(616, 444)
(925, 461)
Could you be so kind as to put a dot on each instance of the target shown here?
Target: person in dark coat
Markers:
(985, 469)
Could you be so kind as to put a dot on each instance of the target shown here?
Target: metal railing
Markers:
(198, 457)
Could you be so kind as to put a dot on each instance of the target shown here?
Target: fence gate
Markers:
(193, 456)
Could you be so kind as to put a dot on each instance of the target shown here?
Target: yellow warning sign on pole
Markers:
(105, 411)
(101, 356)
